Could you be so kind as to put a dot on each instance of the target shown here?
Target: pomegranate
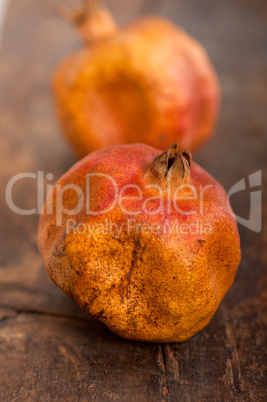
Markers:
(147, 82)
(142, 240)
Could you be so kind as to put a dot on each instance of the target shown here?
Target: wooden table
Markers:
(49, 349)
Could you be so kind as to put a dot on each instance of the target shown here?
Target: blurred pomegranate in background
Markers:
(146, 82)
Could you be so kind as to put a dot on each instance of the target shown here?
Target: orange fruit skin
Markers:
(145, 285)
(149, 82)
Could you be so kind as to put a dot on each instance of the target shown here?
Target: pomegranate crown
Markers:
(93, 20)
(171, 166)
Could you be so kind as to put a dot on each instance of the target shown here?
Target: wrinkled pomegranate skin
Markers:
(149, 82)
(154, 287)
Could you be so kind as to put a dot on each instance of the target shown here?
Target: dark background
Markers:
(49, 349)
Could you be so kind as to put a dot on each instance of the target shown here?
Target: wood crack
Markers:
(233, 357)
(7, 318)
(164, 390)
(41, 313)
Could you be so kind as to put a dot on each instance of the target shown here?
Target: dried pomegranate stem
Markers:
(171, 164)
(93, 20)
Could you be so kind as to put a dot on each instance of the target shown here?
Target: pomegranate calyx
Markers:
(93, 20)
(170, 167)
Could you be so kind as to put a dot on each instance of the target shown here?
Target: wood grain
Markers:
(49, 349)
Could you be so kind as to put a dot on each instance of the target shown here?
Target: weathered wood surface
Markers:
(49, 349)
